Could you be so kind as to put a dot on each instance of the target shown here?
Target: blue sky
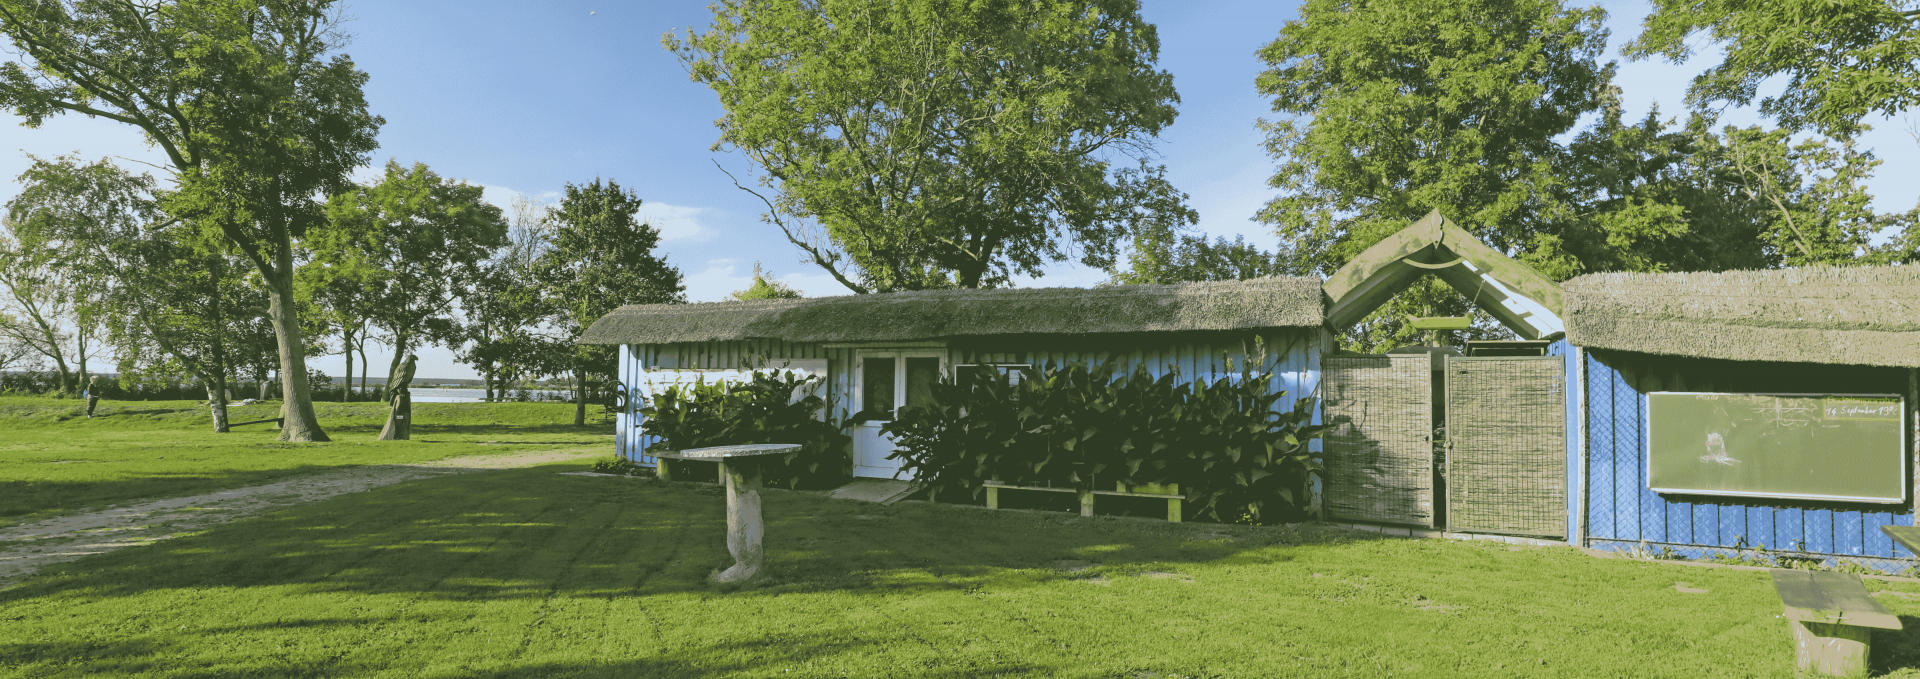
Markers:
(525, 97)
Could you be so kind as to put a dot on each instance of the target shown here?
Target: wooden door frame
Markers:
(899, 356)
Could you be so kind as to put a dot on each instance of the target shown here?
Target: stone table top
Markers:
(723, 452)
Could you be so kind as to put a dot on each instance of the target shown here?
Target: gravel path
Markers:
(25, 549)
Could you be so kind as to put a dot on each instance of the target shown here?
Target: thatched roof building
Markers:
(1837, 315)
(927, 315)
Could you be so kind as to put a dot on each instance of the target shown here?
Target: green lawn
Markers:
(53, 459)
(530, 573)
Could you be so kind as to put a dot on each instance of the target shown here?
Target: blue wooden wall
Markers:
(1292, 355)
(1620, 507)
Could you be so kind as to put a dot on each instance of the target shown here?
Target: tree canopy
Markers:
(1842, 59)
(941, 143)
(258, 117)
(416, 242)
(764, 286)
(601, 257)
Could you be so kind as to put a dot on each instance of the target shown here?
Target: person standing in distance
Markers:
(95, 385)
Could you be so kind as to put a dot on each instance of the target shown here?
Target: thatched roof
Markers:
(902, 316)
(1841, 315)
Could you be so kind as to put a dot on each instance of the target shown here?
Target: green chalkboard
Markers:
(1846, 447)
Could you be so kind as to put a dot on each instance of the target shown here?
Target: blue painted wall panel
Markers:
(1620, 507)
(1875, 542)
(1599, 402)
(1759, 529)
(1626, 464)
(1787, 531)
(1733, 525)
(1848, 538)
(1818, 523)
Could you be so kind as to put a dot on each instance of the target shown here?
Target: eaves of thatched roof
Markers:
(1866, 315)
(941, 314)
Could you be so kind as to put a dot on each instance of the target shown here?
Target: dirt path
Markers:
(25, 549)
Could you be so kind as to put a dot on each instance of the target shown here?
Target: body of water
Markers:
(431, 395)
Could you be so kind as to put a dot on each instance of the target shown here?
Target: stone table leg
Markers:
(1831, 649)
(744, 528)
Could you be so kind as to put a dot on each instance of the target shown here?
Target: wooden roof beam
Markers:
(1522, 299)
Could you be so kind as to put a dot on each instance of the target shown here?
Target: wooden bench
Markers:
(1832, 617)
(277, 421)
(1169, 492)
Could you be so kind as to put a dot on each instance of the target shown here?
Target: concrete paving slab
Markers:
(884, 491)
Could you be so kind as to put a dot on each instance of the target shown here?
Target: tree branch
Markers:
(773, 215)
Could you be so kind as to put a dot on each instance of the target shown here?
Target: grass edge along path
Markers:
(531, 573)
(53, 461)
(25, 549)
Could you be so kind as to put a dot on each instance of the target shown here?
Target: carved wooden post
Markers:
(399, 420)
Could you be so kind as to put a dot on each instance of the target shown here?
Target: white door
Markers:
(886, 381)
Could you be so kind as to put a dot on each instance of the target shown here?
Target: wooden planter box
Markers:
(1168, 491)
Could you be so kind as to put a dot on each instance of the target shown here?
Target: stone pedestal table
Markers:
(742, 476)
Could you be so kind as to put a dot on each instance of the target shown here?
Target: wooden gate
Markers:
(1506, 465)
(1380, 454)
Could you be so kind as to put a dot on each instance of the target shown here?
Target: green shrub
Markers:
(1094, 426)
(762, 410)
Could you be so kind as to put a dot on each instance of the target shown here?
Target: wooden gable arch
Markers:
(1522, 299)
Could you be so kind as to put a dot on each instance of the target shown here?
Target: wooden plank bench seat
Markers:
(1833, 618)
(1171, 494)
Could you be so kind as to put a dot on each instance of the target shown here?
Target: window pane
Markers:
(921, 374)
(876, 388)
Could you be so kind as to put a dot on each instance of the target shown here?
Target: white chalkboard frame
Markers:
(1906, 456)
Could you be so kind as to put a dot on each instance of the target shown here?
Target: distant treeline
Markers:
(132, 387)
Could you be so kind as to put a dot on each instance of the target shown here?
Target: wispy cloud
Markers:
(676, 222)
(502, 197)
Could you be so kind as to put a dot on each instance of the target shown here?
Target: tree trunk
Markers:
(579, 393)
(362, 348)
(487, 378)
(80, 341)
(393, 368)
(301, 424)
(66, 376)
(216, 402)
(346, 347)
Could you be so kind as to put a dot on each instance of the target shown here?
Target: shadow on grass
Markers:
(1895, 649)
(747, 657)
(22, 498)
(429, 555)
(533, 533)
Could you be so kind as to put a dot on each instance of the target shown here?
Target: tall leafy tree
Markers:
(417, 241)
(1400, 107)
(764, 286)
(940, 143)
(1841, 59)
(1813, 193)
(601, 257)
(1654, 195)
(507, 325)
(100, 222)
(257, 114)
(45, 306)
(342, 302)
(1169, 257)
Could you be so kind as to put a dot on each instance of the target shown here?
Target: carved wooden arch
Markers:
(1522, 299)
